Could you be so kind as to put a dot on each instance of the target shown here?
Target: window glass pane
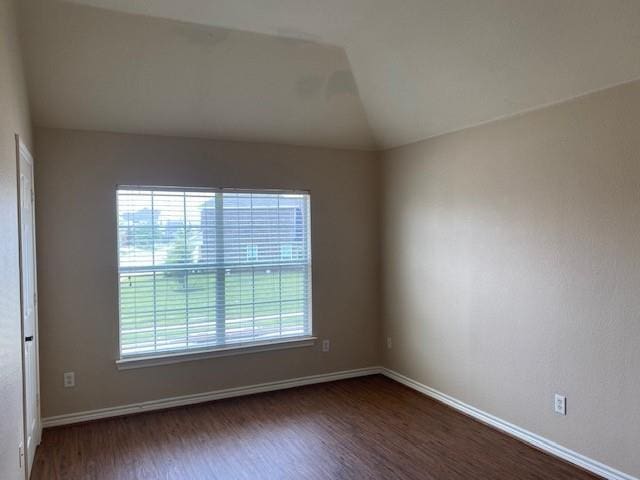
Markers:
(205, 268)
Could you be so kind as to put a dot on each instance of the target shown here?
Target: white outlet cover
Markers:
(560, 404)
(389, 343)
(69, 379)
(326, 345)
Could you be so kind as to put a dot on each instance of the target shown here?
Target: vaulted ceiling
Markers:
(341, 73)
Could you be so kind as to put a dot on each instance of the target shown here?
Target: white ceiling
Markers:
(421, 67)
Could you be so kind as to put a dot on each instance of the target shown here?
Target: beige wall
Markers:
(75, 181)
(14, 118)
(512, 266)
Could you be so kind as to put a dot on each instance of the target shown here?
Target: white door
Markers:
(29, 305)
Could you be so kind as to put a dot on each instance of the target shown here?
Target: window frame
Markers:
(185, 355)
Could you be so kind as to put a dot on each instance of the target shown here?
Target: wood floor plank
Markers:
(365, 428)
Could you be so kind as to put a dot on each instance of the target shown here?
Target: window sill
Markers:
(225, 351)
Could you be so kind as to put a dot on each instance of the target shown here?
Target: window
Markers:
(201, 269)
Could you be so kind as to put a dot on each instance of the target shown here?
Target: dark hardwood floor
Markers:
(365, 428)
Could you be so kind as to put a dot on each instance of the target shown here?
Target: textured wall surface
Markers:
(76, 220)
(14, 118)
(511, 266)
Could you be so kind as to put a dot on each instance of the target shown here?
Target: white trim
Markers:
(526, 436)
(213, 189)
(533, 439)
(23, 153)
(127, 363)
(203, 397)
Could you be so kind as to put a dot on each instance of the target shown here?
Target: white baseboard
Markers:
(484, 417)
(520, 433)
(85, 416)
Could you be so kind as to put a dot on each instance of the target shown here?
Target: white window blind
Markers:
(204, 268)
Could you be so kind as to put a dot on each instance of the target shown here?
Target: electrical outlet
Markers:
(326, 345)
(389, 343)
(69, 379)
(560, 404)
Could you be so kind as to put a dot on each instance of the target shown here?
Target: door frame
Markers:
(23, 152)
